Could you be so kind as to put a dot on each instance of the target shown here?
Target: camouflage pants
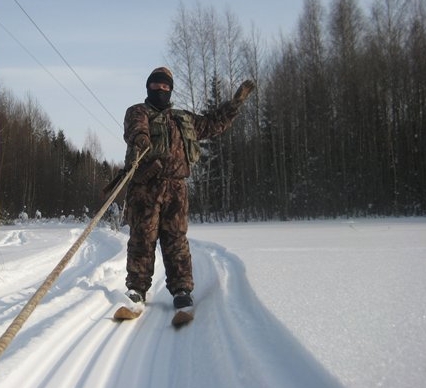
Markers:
(158, 210)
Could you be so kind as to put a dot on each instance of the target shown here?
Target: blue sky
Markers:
(113, 46)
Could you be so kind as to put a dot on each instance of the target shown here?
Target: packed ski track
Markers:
(320, 304)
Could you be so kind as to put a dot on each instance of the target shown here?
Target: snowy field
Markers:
(296, 304)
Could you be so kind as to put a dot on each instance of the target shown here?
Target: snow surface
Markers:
(295, 304)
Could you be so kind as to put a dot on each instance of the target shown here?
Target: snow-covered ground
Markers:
(294, 304)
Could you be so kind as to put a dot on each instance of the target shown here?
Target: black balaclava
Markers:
(160, 98)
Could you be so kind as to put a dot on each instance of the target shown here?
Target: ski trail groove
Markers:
(233, 340)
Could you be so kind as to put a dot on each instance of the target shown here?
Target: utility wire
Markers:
(57, 81)
(66, 62)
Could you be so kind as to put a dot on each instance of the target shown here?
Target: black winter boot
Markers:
(135, 296)
(182, 299)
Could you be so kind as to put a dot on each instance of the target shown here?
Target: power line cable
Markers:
(66, 62)
(57, 81)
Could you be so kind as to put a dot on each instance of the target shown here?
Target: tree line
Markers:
(336, 126)
(41, 170)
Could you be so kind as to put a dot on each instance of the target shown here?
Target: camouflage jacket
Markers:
(174, 135)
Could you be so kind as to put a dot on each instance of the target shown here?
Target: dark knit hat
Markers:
(161, 75)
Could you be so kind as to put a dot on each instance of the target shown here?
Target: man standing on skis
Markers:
(157, 196)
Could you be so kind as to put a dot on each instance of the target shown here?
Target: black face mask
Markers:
(159, 98)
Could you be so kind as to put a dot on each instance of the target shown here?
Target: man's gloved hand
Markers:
(243, 92)
(142, 142)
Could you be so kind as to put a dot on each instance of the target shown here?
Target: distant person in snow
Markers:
(157, 195)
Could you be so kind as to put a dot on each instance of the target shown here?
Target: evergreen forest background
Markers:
(335, 128)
